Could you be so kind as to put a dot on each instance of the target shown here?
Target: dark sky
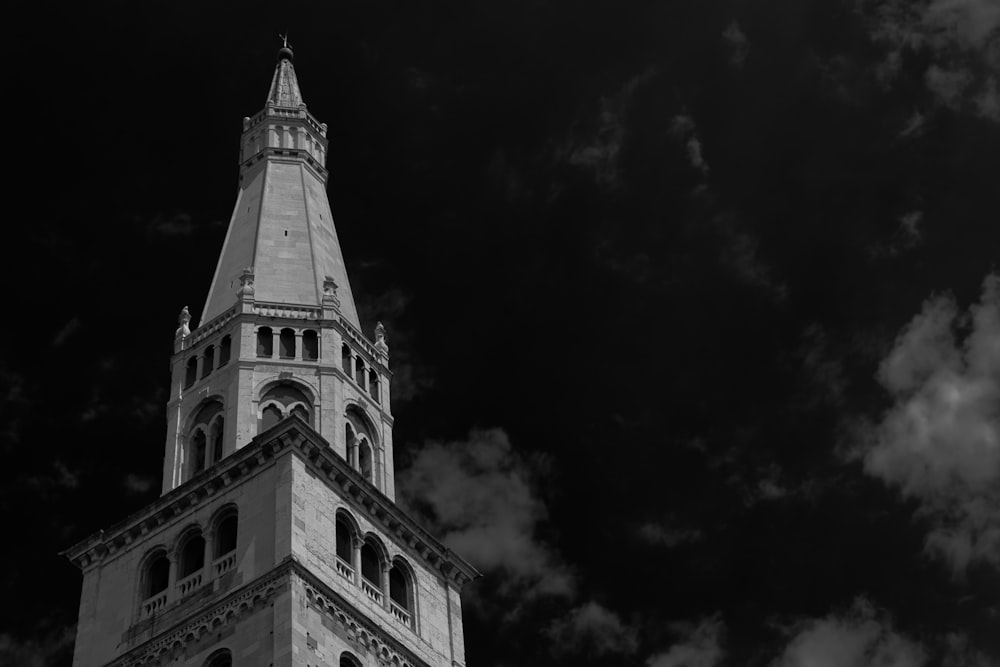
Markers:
(691, 309)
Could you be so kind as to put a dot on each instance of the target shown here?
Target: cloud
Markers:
(593, 630)
(940, 441)
(481, 496)
(668, 535)
(858, 638)
(599, 152)
(66, 332)
(683, 127)
(177, 225)
(55, 648)
(701, 648)
(738, 44)
(955, 42)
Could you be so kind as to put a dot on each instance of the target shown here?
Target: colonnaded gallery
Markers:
(276, 540)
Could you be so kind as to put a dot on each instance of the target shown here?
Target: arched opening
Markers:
(371, 571)
(348, 660)
(216, 437)
(208, 361)
(286, 344)
(310, 345)
(365, 458)
(265, 342)
(225, 535)
(359, 371)
(199, 447)
(345, 358)
(373, 385)
(191, 372)
(401, 593)
(269, 417)
(225, 350)
(221, 658)
(192, 557)
(345, 536)
(156, 576)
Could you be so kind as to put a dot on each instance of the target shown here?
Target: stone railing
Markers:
(210, 327)
(402, 615)
(290, 311)
(190, 582)
(344, 569)
(224, 563)
(154, 604)
(359, 339)
(371, 591)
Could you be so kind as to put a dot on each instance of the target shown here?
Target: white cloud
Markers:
(481, 497)
(668, 535)
(739, 45)
(859, 638)
(701, 648)
(940, 440)
(960, 39)
(683, 127)
(593, 630)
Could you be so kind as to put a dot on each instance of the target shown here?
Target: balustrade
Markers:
(371, 590)
(402, 615)
(224, 563)
(190, 583)
(154, 604)
(344, 569)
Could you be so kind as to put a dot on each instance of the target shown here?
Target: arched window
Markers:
(216, 438)
(359, 371)
(371, 570)
(362, 450)
(192, 556)
(348, 660)
(286, 344)
(310, 345)
(265, 342)
(401, 593)
(155, 576)
(205, 437)
(269, 417)
(345, 358)
(225, 534)
(283, 399)
(365, 458)
(345, 538)
(191, 372)
(208, 361)
(373, 385)
(221, 658)
(225, 350)
(199, 447)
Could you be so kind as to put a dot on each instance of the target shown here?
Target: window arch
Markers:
(281, 400)
(265, 342)
(208, 361)
(359, 371)
(348, 660)
(310, 345)
(402, 599)
(191, 555)
(373, 560)
(221, 658)
(225, 350)
(191, 372)
(286, 344)
(204, 437)
(155, 574)
(345, 358)
(373, 385)
(362, 447)
(346, 536)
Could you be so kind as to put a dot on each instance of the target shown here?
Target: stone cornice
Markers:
(292, 434)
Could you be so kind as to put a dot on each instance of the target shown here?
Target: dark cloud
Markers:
(592, 630)
(701, 645)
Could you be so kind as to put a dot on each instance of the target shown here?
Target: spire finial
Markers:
(285, 52)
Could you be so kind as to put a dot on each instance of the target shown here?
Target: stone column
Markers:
(356, 542)
(298, 345)
(385, 585)
(275, 343)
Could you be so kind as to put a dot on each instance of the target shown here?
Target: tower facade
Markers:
(276, 540)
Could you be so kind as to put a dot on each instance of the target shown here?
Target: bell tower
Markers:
(276, 540)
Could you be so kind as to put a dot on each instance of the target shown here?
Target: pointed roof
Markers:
(285, 90)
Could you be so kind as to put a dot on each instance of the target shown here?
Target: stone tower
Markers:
(276, 541)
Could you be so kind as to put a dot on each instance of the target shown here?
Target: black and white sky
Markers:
(694, 305)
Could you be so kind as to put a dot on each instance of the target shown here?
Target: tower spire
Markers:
(282, 226)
